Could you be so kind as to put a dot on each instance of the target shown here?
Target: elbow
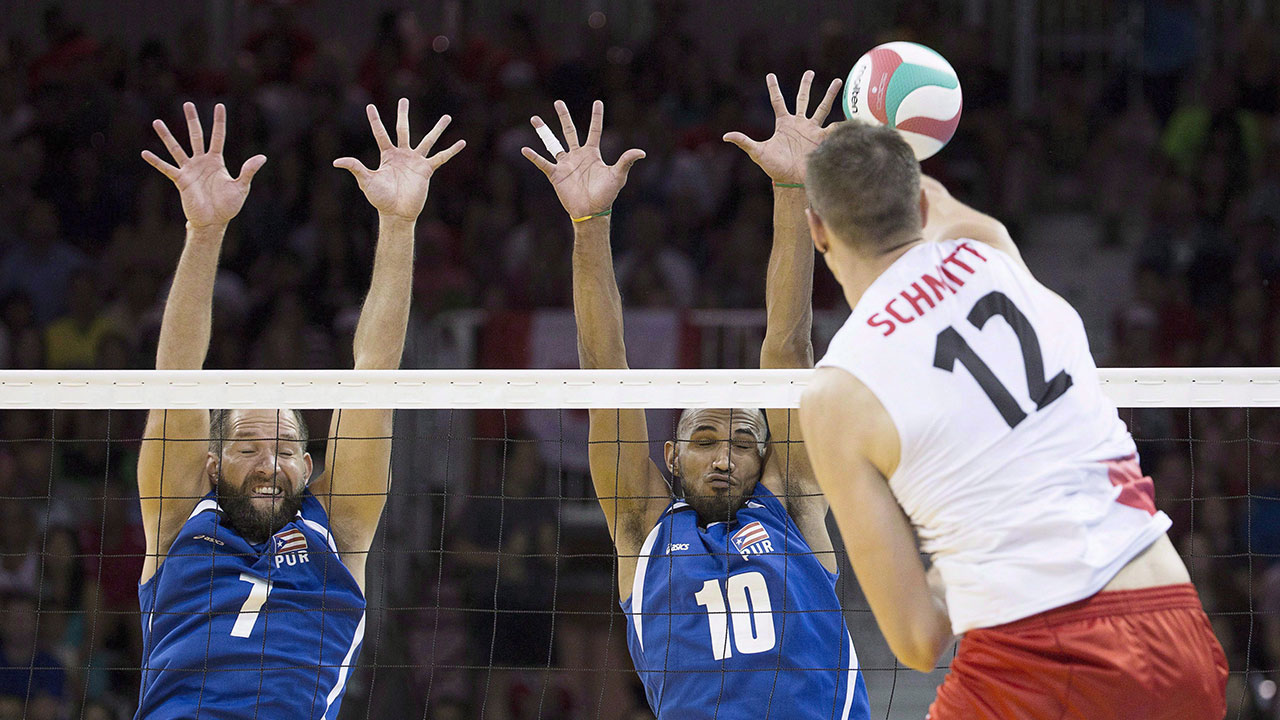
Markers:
(921, 651)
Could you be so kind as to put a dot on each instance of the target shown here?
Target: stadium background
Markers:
(1133, 148)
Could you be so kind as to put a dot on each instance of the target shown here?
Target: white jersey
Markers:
(1020, 478)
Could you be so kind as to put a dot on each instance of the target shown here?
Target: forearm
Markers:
(188, 311)
(384, 319)
(597, 304)
(789, 285)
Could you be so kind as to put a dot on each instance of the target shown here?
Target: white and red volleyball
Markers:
(908, 87)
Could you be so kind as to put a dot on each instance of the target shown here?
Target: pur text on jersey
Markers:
(916, 300)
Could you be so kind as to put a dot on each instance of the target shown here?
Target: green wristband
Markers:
(788, 185)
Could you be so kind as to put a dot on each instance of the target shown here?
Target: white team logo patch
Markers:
(752, 539)
(290, 547)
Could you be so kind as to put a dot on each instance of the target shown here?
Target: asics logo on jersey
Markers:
(921, 295)
(206, 538)
(677, 546)
(752, 539)
(290, 547)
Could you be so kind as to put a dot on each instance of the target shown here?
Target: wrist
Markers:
(211, 232)
(387, 221)
(579, 219)
(592, 229)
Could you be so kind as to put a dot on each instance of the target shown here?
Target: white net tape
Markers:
(529, 389)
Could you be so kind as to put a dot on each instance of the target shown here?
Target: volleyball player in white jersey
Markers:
(960, 401)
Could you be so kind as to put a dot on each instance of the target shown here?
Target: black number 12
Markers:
(952, 347)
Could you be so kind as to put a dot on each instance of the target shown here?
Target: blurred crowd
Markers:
(1173, 167)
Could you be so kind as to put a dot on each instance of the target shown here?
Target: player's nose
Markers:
(724, 457)
(267, 465)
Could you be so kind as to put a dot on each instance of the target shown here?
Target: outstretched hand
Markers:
(783, 156)
(580, 177)
(210, 196)
(398, 188)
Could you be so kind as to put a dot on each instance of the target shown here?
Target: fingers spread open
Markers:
(219, 134)
(170, 142)
(251, 168)
(169, 171)
(354, 166)
(597, 123)
(402, 123)
(379, 130)
(566, 124)
(193, 127)
(424, 147)
(802, 96)
(538, 161)
(775, 95)
(443, 156)
(824, 107)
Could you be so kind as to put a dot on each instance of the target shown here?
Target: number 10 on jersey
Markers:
(751, 611)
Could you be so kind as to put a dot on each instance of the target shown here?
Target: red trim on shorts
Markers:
(1110, 603)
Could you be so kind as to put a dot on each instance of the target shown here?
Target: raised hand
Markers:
(582, 180)
(783, 156)
(210, 196)
(398, 188)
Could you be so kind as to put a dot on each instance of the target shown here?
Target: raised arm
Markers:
(630, 487)
(948, 218)
(171, 463)
(788, 340)
(357, 475)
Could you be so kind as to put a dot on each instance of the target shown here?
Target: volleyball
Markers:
(910, 88)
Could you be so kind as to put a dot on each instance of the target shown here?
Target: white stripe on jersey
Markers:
(324, 531)
(206, 504)
(336, 692)
(637, 584)
(853, 678)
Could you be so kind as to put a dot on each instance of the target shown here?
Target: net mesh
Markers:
(491, 585)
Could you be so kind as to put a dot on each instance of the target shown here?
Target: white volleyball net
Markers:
(492, 583)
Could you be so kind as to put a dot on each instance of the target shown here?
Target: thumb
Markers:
(628, 159)
(352, 165)
(251, 168)
(741, 141)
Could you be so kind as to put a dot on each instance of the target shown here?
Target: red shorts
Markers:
(1145, 654)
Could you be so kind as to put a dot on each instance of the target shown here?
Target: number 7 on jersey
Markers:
(258, 591)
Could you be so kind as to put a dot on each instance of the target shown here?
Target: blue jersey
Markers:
(739, 620)
(234, 630)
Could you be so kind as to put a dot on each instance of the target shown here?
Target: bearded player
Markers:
(729, 585)
(252, 591)
(960, 401)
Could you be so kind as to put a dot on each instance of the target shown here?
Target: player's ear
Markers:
(670, 454)
(306, 459)
(211, 463)
(924, 208)
(817, 231)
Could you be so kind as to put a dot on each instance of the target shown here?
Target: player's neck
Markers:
(860, 270)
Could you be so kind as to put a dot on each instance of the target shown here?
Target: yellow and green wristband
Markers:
(584, 218)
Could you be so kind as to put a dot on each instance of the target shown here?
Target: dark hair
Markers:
(864, 182)
(218, 429)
